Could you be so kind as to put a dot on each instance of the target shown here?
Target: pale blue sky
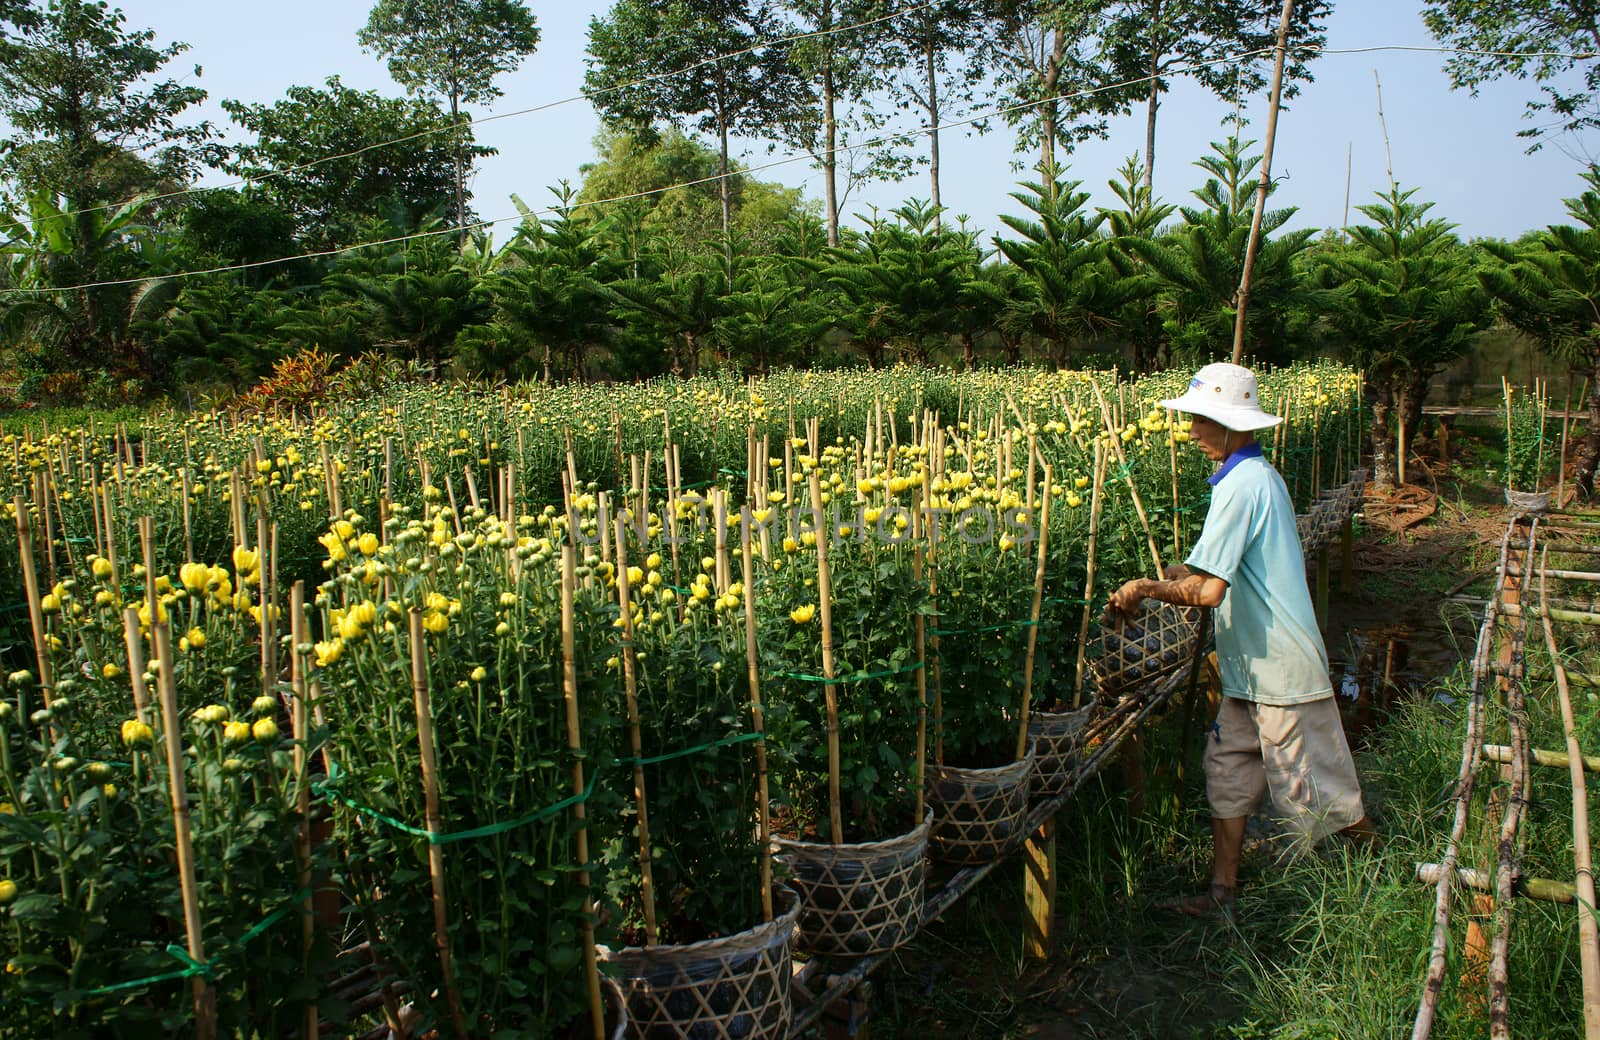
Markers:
(1460, 151)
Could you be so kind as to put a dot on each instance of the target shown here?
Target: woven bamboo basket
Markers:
(1158, 641)
(1304, 524)
(1057, 738)
(977, 813)
(730, 988)
(1528, 503)
(858, 899)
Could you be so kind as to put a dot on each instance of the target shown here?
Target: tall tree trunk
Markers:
(722, 170)
(932, 68)
(458, 161)
(1049, 126)
(1151, 107)
(1380, 392)
(969, 350)
(1412, 394)
(1154, 101)
(830, 133)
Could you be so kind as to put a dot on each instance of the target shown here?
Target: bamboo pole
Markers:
(569, 691)
(430, 793)
(1033, 617)
(205, 1006)
(1127, 476)
(830, 691)
(1089, 572)
(757, 716)
(1542, 889)
(1541, 757)
(1433, 983)
(920, 627)
(301, 729)
(631, 689)
(30, 581)
(1253, 244)
(130, 636)
(1588, 933)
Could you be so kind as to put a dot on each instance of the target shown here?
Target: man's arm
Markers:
(1181, 586)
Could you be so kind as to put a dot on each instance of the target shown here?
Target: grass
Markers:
(1331, 945)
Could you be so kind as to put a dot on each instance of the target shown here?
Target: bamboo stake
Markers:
(301, 729)
(1127, 476)
(1542, 889)
(1033, 617)
(919, 625)
(631, 688)
(1588, 933)
(205, 1007)
(757, 716)
(130, 636)
(30, 580)
(1089, 572)
(1541, 757)
(829, 690)
(430, 792)
(1172, 456)
(1433, 983)
(569, 689)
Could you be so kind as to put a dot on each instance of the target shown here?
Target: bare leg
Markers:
(1227, 837)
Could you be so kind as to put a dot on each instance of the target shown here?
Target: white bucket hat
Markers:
(1226, 394)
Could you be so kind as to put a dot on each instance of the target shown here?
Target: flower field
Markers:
(392, 712)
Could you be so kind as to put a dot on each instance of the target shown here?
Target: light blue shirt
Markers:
(1269, 649)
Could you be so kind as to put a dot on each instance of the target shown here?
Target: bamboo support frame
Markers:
(569, 696)
(630, 682)
(430, 792)
(1433, 982)
(300, 727)
(1089, 573)
(30, 581)
(205, 1006)
(757, 715)
(829, 666)
(1542, 889)
(1033, 617)
(1588, 933)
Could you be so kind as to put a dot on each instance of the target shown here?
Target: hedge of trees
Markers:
(354, 232)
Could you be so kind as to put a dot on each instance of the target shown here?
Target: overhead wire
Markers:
(644, 193)
(787, 160)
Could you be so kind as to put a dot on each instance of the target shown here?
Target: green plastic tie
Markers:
(1026, 623)
(191, 967)
(846, 679)
(329, 789)
(743, 738)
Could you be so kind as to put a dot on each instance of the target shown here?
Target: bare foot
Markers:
(1215, 902)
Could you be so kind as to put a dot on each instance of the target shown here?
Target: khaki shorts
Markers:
(1297, 755)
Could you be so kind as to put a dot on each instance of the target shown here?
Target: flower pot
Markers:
(1528, 503)
(1057, 738)
(731, 988)
(978, 813)
(1127, 658)
(858, 899)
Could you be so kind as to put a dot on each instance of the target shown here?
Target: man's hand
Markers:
(1124, 602)
(1181, 586)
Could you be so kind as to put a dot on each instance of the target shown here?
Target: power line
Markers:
(530, 110)
(713, 178)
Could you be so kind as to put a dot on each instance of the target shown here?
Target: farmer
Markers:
(1277, 733)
